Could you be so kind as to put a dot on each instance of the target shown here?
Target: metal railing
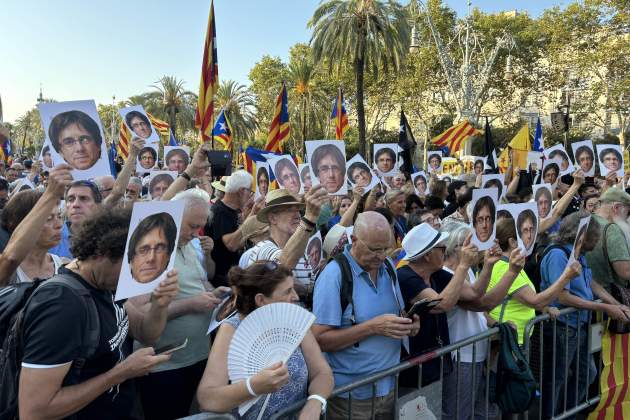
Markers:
(542, 338)
(446, 351)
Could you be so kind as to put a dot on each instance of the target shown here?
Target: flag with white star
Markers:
(222, 131)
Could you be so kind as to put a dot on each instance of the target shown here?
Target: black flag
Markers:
(489, 150)
(407, 144)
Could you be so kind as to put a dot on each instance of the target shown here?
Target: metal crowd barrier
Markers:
(540, 355)
(395, 371)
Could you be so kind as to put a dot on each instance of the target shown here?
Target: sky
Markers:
(77, 49)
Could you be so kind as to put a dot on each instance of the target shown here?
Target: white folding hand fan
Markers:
(268, 335)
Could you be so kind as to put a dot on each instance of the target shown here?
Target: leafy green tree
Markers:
(266, 77)
(240, 106)
(176, 102)
(372, 35)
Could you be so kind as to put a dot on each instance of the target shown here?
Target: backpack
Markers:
(347, 282)
(14, 301)
(512, 386)
(537, 256)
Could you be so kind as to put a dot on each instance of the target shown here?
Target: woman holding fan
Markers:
(305, 373)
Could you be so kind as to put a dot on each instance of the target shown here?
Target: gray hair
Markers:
(569, 226)
(194, 197)
(236, 181)
(457, 235)
(135, 180)
(98, 181)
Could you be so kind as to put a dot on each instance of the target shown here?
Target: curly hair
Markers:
(103, 234)
(249, 282)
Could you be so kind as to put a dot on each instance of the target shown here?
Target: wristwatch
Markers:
(185, 176)
(320, 399)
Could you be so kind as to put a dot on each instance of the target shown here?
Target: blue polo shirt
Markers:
(374, 353)
(63, 248)
(551, 268)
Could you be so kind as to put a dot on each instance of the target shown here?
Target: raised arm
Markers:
(529, 297)
(348, 217)
(563, 203)
(21, 241)
(120, 186)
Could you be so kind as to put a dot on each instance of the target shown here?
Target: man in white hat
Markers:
(289, 232)
(365, 336)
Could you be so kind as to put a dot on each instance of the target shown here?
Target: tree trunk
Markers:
(304, 129)
(172, 120)
(359, 66)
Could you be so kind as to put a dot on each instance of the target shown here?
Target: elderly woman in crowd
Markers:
(305, 373)
(395, 201)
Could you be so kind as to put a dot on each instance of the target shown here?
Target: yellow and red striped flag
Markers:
(614, 403)
(209, 80)
(279, 130)
(454, 137)
(162, 127)
(124, 137)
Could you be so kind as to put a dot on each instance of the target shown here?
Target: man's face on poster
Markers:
(78, 148)
(140, 128)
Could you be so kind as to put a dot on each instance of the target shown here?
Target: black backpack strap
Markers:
(347, 286)
(92, 334)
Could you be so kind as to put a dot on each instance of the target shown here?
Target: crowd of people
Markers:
(384, 250)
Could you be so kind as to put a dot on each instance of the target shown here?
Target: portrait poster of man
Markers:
(139, 124)
(525, 215)
(159, 181)
(45, 156)
(434, 161)
(494, 181)
(579, 238)
(386, 159)
(262, 180)
(479, 165)
(360, 175)
(305, 177)
(543, 197)
(420, 183)
(176, 158)
(558, 152)
(551, 171)
(484, 216)
(147, 159)
(328, 165)
(314, 250)
(150, 250)
(584, 156)
(286, 173)
(534, 161)
(610, 158)
(75, 132)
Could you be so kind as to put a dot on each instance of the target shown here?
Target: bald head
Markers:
(369, 224)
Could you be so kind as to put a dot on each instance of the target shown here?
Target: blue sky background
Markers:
(81, 49)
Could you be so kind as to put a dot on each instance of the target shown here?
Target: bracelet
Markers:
(248, 384)
(185, 176)
(320, 399)
(308, 222)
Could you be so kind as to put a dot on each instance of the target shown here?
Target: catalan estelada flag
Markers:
(614, 403)
(124, 137)
(279, 130)
(339, 116)
(222, 131)
(209, 80)
(399, 262)
(454, 137)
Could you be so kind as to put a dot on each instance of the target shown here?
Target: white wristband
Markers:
(248, 384)
(320, 399)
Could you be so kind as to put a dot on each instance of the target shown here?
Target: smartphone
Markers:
(222, 295)
(422, 306)
(171, 348)
(221, 162)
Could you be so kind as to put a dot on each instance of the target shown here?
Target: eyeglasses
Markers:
(139, 125)
(376, 251)
(326, 168)
(70, 142)
(160, 249)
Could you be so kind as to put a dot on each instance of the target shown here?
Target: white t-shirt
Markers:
(463, 324)
(22, 277)
(268, 250)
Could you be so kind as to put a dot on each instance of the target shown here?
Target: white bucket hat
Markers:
(420, 240)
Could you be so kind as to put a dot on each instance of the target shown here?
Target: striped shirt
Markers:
(269, 251)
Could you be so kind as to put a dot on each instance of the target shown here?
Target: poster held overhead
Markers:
(176, 158)
(305, 177)
(494, 181)
(584, 156)
(543, 197)
(420, 183)
(610, 159)
(386, 159)
(360, 175)
(159, 181)
(434, 161)
(327, 159)
(286, 173)
(484, 215)
(262, 180)
(558, 152)
(525, 216)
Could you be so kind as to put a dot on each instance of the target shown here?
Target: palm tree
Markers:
(372, 34)
(175, 99)
(310, 98)
(240, 105)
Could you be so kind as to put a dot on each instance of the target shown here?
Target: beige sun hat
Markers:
(276, 199)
